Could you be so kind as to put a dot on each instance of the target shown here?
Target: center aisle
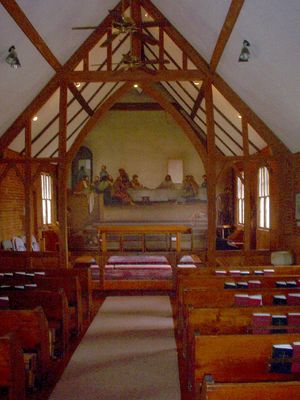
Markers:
(128, 352)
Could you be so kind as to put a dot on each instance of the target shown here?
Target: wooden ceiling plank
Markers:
(134, 75)
(99, 113)
(25, 25)
(229, 23)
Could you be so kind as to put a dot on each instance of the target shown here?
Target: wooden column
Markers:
(211, 175)
(62, 177)
(27, 186)
(247, 187)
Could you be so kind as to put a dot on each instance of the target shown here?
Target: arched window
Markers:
(240, 197)
(263, 198)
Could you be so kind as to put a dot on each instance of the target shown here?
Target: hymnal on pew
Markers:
(279, 320)
(281, 358)
(293, 322)
(296, 357)
(254, 283)
(293, 299)
(279, 299)
(260, 320)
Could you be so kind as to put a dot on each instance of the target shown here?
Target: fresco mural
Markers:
(126, 190)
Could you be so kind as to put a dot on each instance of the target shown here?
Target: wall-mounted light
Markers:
(245, 52)
(12, 58)
(35, 118)
(77, 84)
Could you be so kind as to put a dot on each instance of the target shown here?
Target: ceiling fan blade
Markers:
(146, 38)
(75, 28)
(110, 38)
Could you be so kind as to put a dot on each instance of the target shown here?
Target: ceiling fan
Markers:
(122, 23)
(131, 62)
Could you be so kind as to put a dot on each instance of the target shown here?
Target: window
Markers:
(46, 184)
(264, 198)
(240, 199)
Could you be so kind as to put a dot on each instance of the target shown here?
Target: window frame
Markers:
(47, 198)
(263, 198)
(240, 199)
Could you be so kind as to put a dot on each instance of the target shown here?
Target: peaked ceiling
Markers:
(269, 83)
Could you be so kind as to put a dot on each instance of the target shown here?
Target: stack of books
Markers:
(229, 285)
(279, 299)
(279, 320)
(296, 358)
(254, 283)
(293, 299)
(248, 300)
(293, 322)
(4, 302)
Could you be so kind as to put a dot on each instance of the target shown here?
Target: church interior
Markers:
(149, 200)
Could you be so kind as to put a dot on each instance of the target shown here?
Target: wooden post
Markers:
(62, 177)
(247, 187)
(211, 175)
(136, 44)
(27, 187)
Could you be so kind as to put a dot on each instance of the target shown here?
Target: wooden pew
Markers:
(31, 327)
(228, 321)
(201, 297)
(55, 307)
(12, 372)
(85, 280)
(69, 284)
(236, 358)
(251, 390)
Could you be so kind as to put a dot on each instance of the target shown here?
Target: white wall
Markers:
(142, 142)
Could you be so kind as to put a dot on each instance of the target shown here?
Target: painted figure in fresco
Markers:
(103, 172)
(95, 185)
(190, 187)
(204, 183)
(81, 173)
(124, 177)
(135, 183)
(119, 190)
(224, 207)
(82, 186)
(167, 183)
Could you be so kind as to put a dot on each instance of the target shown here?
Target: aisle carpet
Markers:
(128, 353)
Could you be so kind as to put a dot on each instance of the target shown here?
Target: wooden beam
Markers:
(78, 96)
(178, 39)
(27, 187)
(136, 107)
(25, 25)
(135, 75)
(247, 188)
(12, 132)
(62, 176)
(98, 115)
(211, 175)
(136, 43)
(42, 160)
(230, 21)
(179, 119)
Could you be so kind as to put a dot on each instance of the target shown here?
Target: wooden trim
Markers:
(229, 23)
(25, 25)
(247, 187)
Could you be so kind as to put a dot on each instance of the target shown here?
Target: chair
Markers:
(18, 244)
(7, 245)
